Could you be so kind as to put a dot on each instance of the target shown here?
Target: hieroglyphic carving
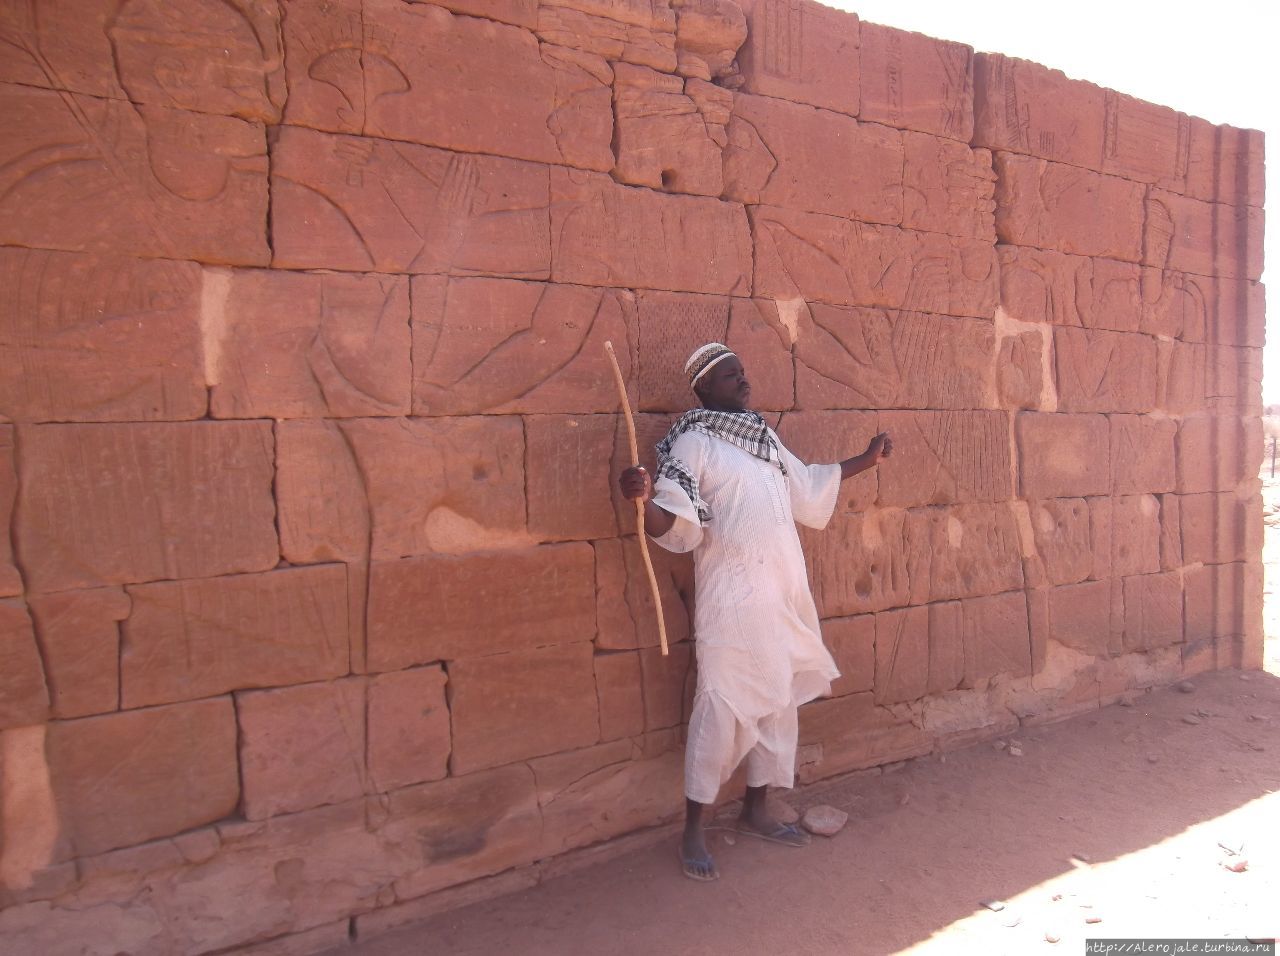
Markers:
(495, 345)
(948, 187)
(1145, 142)
(346, 202)
(81, 173)
(99, 338)
(1103, 371)
(912, 81)
(327, 66)
(802, 51)
(946, 457)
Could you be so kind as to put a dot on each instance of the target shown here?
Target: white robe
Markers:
(759, 648)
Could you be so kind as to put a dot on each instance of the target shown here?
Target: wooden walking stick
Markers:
(635, 458)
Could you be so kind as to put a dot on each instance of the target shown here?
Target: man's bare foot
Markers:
(695, 859)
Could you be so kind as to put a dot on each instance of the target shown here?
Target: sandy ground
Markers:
(1120, 823)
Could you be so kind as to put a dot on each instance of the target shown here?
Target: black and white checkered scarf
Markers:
(745, 429)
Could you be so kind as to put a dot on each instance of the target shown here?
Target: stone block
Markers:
(80, 640)
(1225, 164)
(567, 461)
(99, 338)
(852, 642)
(1208, 239)
(901, 655)
(292, 345)
(797, 157)
(607, 234)
(802, 51)
(1145, 142)
(125, 778)
(606, 32)
(1217, 601)
(10, 579)
(1135, 535)
(945, 458)
(624, 602)
(477, 86)
(673, 324)
(190, 639)
(24, 694)
(1063, 456)
(494, 346)
(1100, 371)
(1170, 533)
(301, 746)
(103, 175)
(211, 59)
(1023, 107)
(323, 510)
(408, 728)
(1217, 452)
(620, 693)
(912, 81)
(323, 48)
(1080, 616)
(661, 138)
(948, 187)
(852, 733)
(123, 503)
(1152, 610)
(824, 437)
(446, 607)
(363, 204)
(708, 36)
(1234, 312)
(876, 358)
(455, 830)
(817, 258)
(1022, 374)
(522, 704)
(1067, 208)
(946, 646)
(1219, 528)
(1180, 385)
(519, 13)
(667, 685)
(1064, 539)
(1142, 454)
(997, 638)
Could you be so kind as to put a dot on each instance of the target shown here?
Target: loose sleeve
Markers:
(814, 489)
(686, 533)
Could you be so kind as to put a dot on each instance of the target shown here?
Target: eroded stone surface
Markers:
(802, 51)
(10, 579)
(662, 139)
(1100, 371)
(24, 696)
(624, 603)
(1152, 610)
(948, 187)
(946, 458)
(408, 728)
(621, 695)
(80, 640)
(1209, 239)
(851, 641)
(913, 81)
(1063, 456)
(1225, 164)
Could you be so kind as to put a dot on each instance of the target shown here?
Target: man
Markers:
(729, 491)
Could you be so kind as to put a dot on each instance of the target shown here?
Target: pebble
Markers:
(824, 820)
(1187, 687)
(1129, 739)
(1011, 921)
(1051, 937)
(1126, 701)
(1190, 719)
(1015, 750)
(1238, 865)
(1080, 857)
(1152, 758)
(1093, 919)
(994, 905)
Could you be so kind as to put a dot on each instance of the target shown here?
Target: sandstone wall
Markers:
(313, 597)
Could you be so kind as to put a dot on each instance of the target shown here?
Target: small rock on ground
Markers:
(1190, 719)
(1186, 687)
(824, 820)
(1238, 865)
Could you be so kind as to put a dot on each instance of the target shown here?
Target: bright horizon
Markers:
(1215, 61)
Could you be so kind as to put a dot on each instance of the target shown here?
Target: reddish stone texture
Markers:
(1217, 452)
(1218, 528)
(624, 602)
(662, 139)
(996, 637)
(901, 655)
(797, 157)
(99, 338)
(946, 646)
(945, 458)
(823, 437)
(122, 779)
(523, 704)
(673, 324)
(1145, 142)
(408, 728)
(290, 345)
(1080, 616)
(852, 642)
(1072, 210)
(819, 258)
(490, 345)
(211, 59)
(1209, 239)
(1135, 535)
(1225, 164)
(1219, 601)
(1063, 456)
(1065, 539)
(1152, 610)
(802, 51)
(912, 81)
(852, 732)
(108, 504)
(1023, 107)
(80, 640)
(613, 32)
(24, 696)
(1020, 370)
(667, 686)
(10, 579)
(1142, 454)
(948, 187)
(607, 234)
(874, 358)
(301, 746)
(708, 35)
(362, 204)
(567, 461)
(189, 639)
(1100, 371)
(147, 181)
(620, 691)
(445, 607)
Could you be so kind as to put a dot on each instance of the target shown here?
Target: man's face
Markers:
(725, 387)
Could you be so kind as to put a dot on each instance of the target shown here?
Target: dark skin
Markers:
(725, 389)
